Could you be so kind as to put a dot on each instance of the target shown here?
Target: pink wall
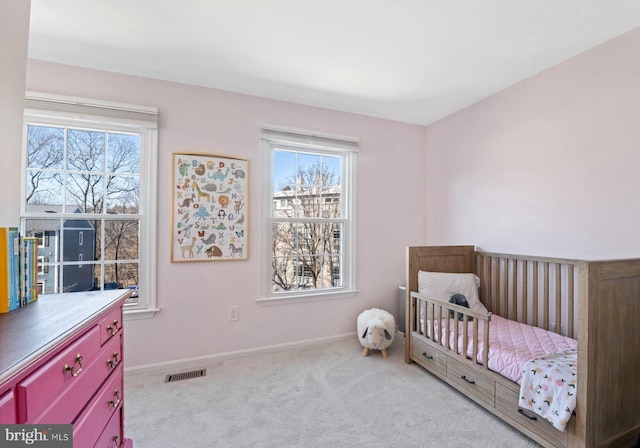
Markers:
(14, 39)
(194, 297)
(547, 167)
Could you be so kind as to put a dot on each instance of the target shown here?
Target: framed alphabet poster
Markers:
(209, 207)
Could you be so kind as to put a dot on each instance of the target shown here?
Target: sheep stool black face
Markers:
(461, 300)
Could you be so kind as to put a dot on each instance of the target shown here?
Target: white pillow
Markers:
(442, 285)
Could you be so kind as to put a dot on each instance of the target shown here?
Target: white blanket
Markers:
(548, 387)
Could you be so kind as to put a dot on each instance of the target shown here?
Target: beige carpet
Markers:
(325, 396)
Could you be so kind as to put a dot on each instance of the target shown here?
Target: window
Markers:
(309, 210)
(89, 193)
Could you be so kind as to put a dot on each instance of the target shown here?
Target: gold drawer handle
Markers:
(113, 329)
(69, 368)
(116, 394)
(113, 361)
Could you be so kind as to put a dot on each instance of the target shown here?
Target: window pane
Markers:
(123, 155)
(45, 147)
(85, 193)
(331, 169)
(284, 169)
(308, 169)
(47, 231)
(121, 240)
(78, 277)
(49, 279)
(73, 250)
(282, 274)
(44, 191)
(330, 202)
(123, 194)
(307, 201)
(85, 150)
(120, 275)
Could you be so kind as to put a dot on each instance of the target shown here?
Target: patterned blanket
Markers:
(548, 387)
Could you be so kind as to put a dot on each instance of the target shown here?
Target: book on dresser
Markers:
(9, 269)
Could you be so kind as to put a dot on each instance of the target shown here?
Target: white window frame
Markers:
(276, 137)
(62, 110)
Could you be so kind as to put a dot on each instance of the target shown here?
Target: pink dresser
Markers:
(61, 361)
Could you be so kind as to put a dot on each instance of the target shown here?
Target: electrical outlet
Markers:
(233, 313)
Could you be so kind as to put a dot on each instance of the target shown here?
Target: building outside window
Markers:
(88, 195)
(310, 219)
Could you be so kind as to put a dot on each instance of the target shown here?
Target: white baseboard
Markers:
(200, 361)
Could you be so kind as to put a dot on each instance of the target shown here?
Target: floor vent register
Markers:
(185, 376)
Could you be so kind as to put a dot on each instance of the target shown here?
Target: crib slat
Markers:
(448, 330)
(499, 297)
(545, 309)
(570, 302)
(489, 283)
(535, 295)
(504, 274)
(514, 286)
(558, 298)
(485, 354)
(475, 340)
(525, 290)
(465, 333)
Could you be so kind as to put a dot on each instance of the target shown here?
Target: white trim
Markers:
(308, 139)
(48, 105)
(316, 296)
(138, 314)
(187, 363)
(305, 132)
(349, 183)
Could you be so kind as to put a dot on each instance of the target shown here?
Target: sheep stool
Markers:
(376, 330)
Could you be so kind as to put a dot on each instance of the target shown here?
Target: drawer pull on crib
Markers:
(427, 356)
(114, 439)
(464, 377)
(521, 411)
(69, 368)
(113, 329)
(116, 395)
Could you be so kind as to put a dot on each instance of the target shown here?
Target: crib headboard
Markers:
(539, 291)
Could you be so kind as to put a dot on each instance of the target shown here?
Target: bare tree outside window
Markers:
(307, 213)
(92, 179)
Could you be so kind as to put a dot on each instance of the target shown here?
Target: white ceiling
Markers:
(414, 61)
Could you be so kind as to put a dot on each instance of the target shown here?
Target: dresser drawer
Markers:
(507, 402)
(47, 383)
(66, 407)
(471, 382)
(428, 357)
(110, 325)
(94, 419)
(8, 408)
(112, 436)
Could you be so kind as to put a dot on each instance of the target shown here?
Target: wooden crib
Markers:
(595, 302)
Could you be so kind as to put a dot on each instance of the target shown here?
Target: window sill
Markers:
(140, 314)
(308, 297)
